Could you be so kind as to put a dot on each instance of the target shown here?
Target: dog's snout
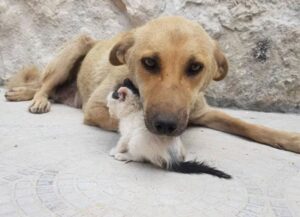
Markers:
(165, 126)
(169, 123)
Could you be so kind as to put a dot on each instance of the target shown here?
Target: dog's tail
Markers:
(196, 168)
(26, 77)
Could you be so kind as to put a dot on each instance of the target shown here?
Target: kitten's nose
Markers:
(165, 125)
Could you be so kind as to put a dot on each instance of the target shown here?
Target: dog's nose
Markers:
(165, 126)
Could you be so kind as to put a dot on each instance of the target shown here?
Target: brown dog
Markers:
(171, 60)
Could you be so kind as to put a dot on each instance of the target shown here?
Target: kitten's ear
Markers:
(115, 94)
(123, 92)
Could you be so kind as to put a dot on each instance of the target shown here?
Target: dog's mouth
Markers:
(166, 124)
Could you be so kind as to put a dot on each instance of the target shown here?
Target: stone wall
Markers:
(260, 38)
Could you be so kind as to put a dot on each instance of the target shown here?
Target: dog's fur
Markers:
(166, 93)
(138, 144)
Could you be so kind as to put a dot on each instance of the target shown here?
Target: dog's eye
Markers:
(194, 68)
(150, 63)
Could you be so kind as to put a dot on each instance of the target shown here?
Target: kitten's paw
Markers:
(113, 151)
(122, 157)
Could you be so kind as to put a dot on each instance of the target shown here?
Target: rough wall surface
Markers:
(261, 39)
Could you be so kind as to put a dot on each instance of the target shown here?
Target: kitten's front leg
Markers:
(121, 147)
(124, 157)
(182, 151)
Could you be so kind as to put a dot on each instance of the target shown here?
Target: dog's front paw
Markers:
(40, 105)
(290, 142)
(18, 94)
(294, 143)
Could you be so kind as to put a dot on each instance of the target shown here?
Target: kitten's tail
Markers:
(197, 168)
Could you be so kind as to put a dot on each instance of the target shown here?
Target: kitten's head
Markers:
(123, 100)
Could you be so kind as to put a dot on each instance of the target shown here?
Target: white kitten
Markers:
(139, 144)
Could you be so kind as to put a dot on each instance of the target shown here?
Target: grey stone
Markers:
(260, 38)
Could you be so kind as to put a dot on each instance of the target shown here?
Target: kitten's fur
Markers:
(139, 144)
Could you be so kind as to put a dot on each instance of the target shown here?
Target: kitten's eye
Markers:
(194, 69)
(150, 63)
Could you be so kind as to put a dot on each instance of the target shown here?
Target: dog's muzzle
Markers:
(166, 123)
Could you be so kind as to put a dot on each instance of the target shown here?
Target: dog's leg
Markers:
(23, 85)
(218, 120)
(20, 93)
(57, 71)
(96, 112)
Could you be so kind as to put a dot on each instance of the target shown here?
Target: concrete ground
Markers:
(53, 165)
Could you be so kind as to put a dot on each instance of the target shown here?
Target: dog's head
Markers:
(172, 59)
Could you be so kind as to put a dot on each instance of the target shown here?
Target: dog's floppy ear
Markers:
(222, 64)
(117, 54)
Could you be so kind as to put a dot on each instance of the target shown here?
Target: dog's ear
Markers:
(118, 53)
(222, 64)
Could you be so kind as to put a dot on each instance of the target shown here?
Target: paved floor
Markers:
(53, 165)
